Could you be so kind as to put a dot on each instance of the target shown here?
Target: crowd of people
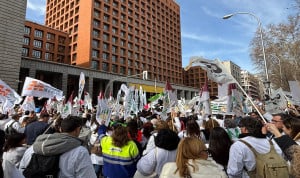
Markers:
(145, 145)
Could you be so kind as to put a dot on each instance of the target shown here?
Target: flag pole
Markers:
(258, 111)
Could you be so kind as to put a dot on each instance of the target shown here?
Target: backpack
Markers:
(41, 166)
(269, 165)
(10, 130)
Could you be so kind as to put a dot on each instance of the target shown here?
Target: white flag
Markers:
(295, 90)
(214, 68)
(34, 87)
(8, 95)
(28, 104)
(277, 103)
(81, 85)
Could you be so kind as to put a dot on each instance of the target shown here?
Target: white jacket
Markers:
(154, 161)
(11, 161)
(241, 157)
(203, 169)
(14, 124)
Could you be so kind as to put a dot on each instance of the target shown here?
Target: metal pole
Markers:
(261, 39)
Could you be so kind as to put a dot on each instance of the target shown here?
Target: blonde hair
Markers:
(188, 148)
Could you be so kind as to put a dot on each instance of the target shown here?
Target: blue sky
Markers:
(204, 32)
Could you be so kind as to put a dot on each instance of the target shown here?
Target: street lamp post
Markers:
(261, 39)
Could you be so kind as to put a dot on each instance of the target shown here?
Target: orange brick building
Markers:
(44, 43)
(122, 36)
(195, 77)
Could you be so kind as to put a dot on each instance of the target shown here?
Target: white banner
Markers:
(9, 95)
(28, 104)
(214, 68)
(295, 90)
(34, 87)
(277, 103)
(81, 85)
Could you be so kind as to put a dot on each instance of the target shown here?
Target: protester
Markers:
(192, 161)
(119, 154)
(36, 128)
(290, 148)
(13, 125)
(231, 128)
(14, 150)
(192, 130)
(219, 145)
(151, 164)
(291, 127)
(241, 158)
(74, 160)
(146, 130)
(208, 126)
(158, 125)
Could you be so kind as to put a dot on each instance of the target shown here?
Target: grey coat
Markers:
(53, 144)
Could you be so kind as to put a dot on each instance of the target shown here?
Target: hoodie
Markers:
(54, 144)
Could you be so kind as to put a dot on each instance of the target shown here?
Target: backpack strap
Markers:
(11, 124)
(249, 146)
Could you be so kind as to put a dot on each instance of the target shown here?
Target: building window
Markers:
(95, 53)
(50, 36)
(27, 30)
(114, 30)
(49, 46)
(36, 54)
(37, 44)
(122, 52)
(25, 52)
(123, 34)
(105, 56)
(122, 42)
(122, 60)
(114, 49)
(95, 65)
(114, 58)
(97, 4)
(114, 68)
(26, 41)
(105, 36)
(61, 49)
(61, 39)
(96, 33)
(122, 70)
(38, 33)
(96, 23)
(114, 40)
(106, 17)
(105, 46)
(48, 56)
(95, 44)
(96, 14)
(104, 66)
(106, 27)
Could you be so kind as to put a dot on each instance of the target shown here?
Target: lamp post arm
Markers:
(261, 39)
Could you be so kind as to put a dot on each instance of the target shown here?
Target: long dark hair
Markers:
(219, 145)
(192, 128)
(14, 141)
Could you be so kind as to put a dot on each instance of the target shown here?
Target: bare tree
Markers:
(282, 49)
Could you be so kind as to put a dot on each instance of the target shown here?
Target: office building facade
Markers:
(196, 77)
(12, 15)
(44, 43)
(123, 37)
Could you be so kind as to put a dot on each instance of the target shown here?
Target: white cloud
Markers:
(39, 6)
(209, 39)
